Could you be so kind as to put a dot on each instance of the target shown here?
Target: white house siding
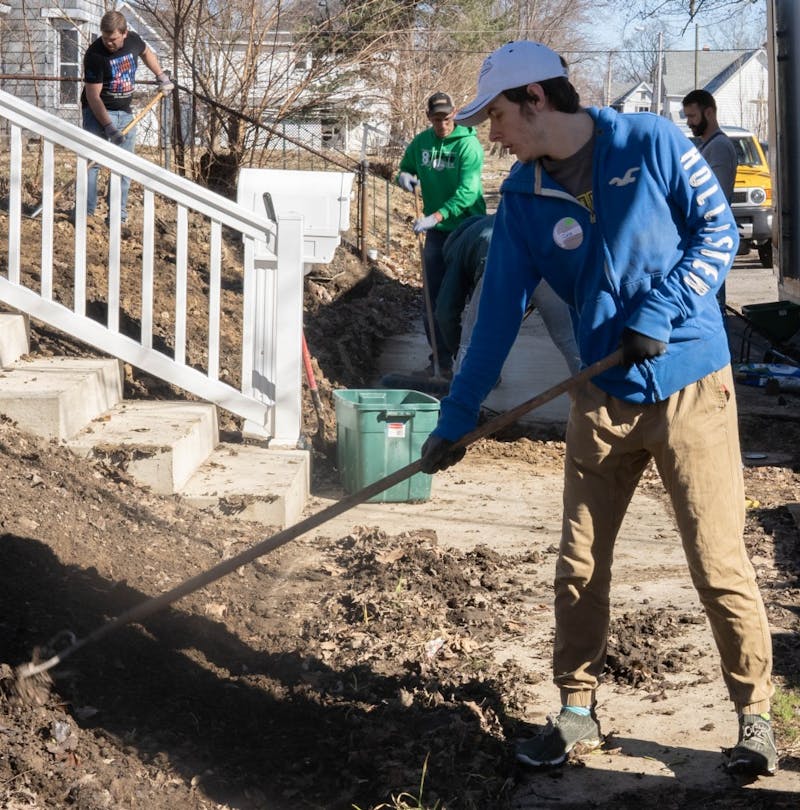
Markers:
(742, 101)
(31, 46)
(637, 99)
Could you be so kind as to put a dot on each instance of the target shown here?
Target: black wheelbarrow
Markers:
(777, 321)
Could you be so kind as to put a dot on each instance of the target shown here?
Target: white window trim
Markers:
(65, 24)
(77, 14)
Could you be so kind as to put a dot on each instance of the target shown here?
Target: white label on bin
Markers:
(396, 430)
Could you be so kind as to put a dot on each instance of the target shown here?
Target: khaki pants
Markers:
(693, 437)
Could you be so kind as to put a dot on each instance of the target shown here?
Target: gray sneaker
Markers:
(552, 745)
(755, 753)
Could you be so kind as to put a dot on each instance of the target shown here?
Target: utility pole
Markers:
(696, 45)
(659, 108)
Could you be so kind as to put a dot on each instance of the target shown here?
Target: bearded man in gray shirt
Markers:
(715, 146)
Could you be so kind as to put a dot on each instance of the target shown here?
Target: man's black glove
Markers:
(114, 135)
(438, 454)
(637, 347)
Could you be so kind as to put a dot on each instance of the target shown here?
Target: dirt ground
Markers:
(389, 659)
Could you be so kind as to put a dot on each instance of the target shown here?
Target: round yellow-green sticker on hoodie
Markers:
(567, 233)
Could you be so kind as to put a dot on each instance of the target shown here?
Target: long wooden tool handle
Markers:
(150, 606)
(426, 293)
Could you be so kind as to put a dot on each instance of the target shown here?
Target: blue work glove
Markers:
(114, 135)
(407, 181)
(637, 347)
(165, 84)
(438, 454)
(425, 223)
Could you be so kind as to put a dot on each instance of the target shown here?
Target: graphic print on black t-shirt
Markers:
(123, 74)
(586, 199)
(115, 71)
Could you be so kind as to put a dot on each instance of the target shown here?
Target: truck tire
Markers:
(765, 253)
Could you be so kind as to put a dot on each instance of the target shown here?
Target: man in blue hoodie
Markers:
(627, 223)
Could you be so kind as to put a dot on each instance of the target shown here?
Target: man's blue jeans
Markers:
(434, 275)
(120, 120)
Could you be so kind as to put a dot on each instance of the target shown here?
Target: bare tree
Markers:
(637, 59)
(745, 29)
(258, 66)
(450, 39)
(687, 13)
(251, 66)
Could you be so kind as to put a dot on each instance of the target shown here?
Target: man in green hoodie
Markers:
(445, 161)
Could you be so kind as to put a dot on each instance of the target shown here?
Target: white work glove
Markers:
(114, 135)
(425, 223)
(165, 84)
(407, 181)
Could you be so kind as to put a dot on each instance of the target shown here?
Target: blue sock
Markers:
(581, 710)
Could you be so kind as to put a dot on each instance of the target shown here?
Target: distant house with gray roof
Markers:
(638, 98)
(738, 80)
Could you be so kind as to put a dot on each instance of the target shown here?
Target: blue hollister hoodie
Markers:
(650, 255)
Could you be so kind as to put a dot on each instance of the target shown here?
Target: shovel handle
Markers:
(312, 386)
(426, 292)
(510, 416)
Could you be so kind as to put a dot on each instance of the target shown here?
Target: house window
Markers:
(302, 64)
(330, 131)
(68, 64)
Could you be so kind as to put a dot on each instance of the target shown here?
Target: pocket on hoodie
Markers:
(635, 290)
(600, 327)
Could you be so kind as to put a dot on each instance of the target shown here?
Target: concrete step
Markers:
(160, 444)
(14, 336)
(171, 447)
(253, 483)
(55, 397)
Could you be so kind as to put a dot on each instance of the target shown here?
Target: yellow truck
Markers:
(752, 195)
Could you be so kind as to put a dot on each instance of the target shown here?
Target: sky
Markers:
(711, 33)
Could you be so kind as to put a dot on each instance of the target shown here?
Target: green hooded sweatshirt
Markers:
(449, 172)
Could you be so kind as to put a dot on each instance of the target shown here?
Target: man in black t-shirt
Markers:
(109, 74)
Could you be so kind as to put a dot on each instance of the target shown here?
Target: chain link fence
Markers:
(208, 142)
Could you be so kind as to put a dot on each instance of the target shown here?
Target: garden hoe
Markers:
(32, 678)
(436, 384)
(134, 121)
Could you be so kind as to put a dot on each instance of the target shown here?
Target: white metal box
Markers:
(321, 198)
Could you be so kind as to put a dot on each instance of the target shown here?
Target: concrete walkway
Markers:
(535, 365)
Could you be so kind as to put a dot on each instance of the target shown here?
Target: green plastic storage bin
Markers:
(379, 431)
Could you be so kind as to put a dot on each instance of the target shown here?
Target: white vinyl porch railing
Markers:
(270, 397)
